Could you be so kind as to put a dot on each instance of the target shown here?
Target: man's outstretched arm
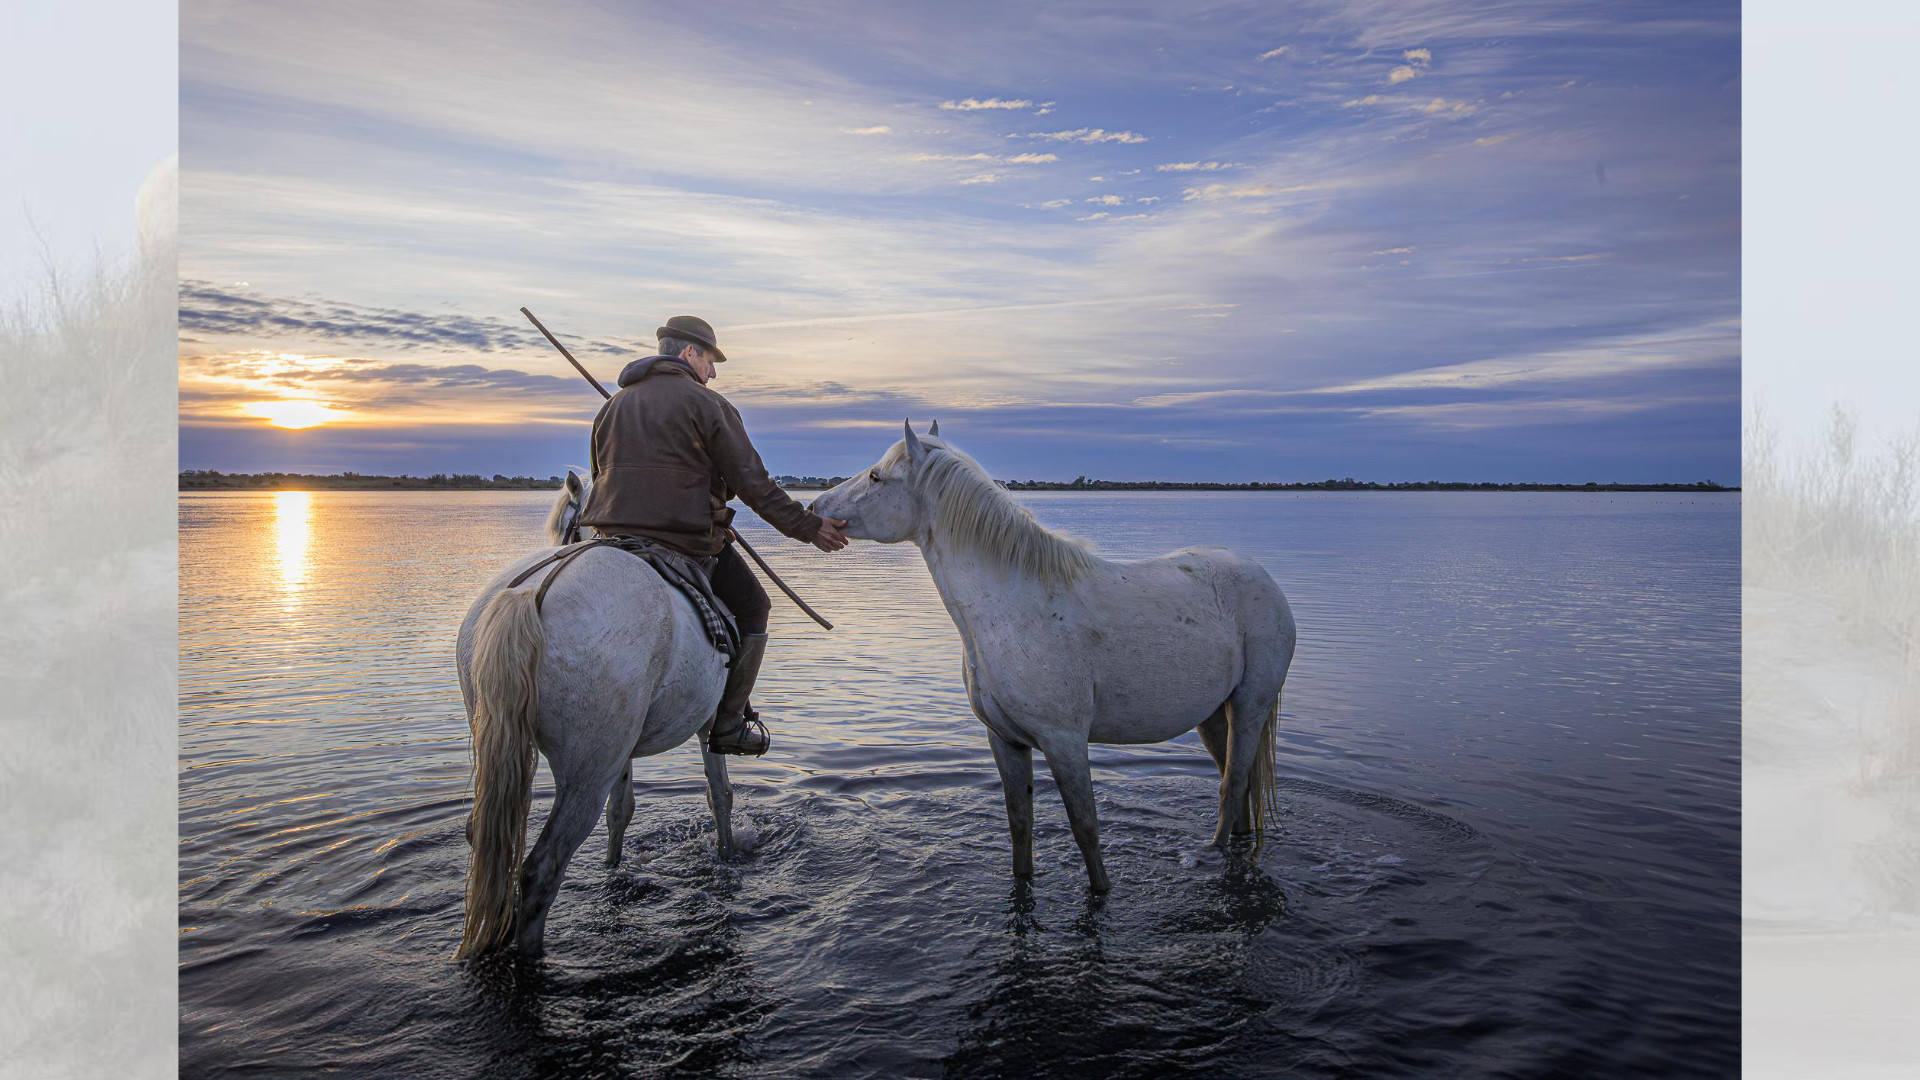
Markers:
(740, 465)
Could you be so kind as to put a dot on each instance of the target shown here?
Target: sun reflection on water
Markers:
(292, 537)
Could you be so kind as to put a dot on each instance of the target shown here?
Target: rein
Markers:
(564, 556)
(570, 532)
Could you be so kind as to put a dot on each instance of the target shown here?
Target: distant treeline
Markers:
(1348, 484)
(204, 479)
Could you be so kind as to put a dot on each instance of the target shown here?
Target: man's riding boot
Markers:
(736, 728)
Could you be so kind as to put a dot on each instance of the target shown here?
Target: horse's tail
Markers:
(509, 643)
(1263, 789)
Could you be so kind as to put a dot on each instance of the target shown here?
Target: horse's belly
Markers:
(683, 704)
(1151, 723)
(1154, 702)
(1144, 729)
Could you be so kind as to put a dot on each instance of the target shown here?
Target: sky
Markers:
(88, 110)
(1395, 240)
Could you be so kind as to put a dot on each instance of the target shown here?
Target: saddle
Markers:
(679, 570)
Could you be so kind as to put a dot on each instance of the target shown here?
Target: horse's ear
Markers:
(915, 451)
(573, 482)
(935, 429)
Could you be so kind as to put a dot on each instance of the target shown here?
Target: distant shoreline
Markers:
(211, 480)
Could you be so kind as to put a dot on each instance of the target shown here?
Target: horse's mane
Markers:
(975, 512)
(574, 487)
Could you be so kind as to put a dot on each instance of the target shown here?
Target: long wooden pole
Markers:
(563, 352)
(741, 540)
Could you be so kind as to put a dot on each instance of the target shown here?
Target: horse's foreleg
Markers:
(576, 804)
(619, 813)
(1075, 777)
(1016, 781)
(719, 797)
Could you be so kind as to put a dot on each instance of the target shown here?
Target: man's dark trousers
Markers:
(737, 587)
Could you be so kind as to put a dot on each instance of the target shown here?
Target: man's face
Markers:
(702, 363)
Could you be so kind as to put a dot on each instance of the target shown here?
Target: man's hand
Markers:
(830, 538)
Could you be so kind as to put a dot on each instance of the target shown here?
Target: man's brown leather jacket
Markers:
(667, 455)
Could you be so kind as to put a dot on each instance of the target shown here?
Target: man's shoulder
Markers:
(659, 381)
(676, 390)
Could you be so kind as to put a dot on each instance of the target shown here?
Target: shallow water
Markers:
(1508, 847)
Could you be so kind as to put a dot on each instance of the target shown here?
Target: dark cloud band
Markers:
(208, 309)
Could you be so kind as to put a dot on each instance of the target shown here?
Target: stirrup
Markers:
(748, 739)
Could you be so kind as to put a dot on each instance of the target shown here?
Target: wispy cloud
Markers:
(1433, 107)
(1197, 166)
(1417, 61)
(1108, 200)
(1085, 135)
(1229, 191)
(975, 104)
(1710, 343)
(877, 129)
(997, 159)
(1271, 54)
(985, 178)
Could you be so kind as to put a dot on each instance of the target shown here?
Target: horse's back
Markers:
(622, 647)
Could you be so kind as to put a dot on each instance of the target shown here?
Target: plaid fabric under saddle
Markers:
(682, 571)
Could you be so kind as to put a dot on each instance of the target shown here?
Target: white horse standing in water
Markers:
(613, 665)
(1064, 648)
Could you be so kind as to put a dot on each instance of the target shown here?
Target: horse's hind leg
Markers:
(1216, 735)
(576, 805)
(1246, 741)
(1213, 736)
(1068, 762)
(719, 797)
(619, 813)
(1016, 781)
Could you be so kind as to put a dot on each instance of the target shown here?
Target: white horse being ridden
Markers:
(1063, 648)
(613, 665)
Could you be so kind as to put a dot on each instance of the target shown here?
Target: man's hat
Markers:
(692, 328)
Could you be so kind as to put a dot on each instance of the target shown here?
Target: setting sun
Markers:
(293, 413)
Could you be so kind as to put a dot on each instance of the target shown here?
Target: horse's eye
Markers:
(873, 475)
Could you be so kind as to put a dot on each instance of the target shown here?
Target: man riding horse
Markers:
(667, 455)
